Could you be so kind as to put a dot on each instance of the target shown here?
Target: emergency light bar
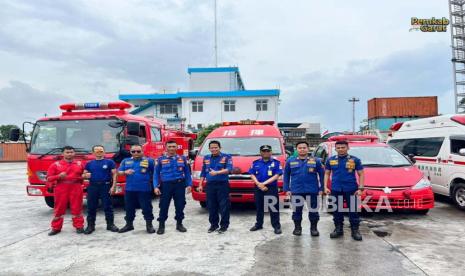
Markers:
(248, 122)
(371, 138)
(396, 126)
(458, 119)
(95, 106)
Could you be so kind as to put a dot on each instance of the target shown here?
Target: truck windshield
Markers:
(379, 156)
(244, 146)
(81, 134)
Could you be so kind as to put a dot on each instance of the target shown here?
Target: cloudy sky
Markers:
(319, 53)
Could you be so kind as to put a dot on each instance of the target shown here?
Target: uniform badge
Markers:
(333, 162)
(105, 167)
(270, 173)
(143, 170)
(223, 160)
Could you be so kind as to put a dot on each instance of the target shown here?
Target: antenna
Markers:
(353, 100)
(216, 36)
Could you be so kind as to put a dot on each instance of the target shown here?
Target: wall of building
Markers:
(213, 81)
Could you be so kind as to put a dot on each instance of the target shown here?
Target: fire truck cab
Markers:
(242, 140)
(85, 125)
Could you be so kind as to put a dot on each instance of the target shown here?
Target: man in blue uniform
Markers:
(216, 168)
(139, 174)
(342, 168)
(265, 173)
(100, 172)
(303, 182)
(172, 176)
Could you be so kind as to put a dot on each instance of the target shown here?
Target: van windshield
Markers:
(379, 156)
(245, 146)
(81, 134)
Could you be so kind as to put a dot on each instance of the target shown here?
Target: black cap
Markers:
(265, 147)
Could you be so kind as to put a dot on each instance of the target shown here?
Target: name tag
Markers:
(333, 162)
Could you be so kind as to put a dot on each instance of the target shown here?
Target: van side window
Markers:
(428, 147)
(456, 145)
(156, 134)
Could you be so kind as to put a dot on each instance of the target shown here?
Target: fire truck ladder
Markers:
(457, 23)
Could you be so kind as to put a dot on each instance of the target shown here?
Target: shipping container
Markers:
(13, 152)
(383, 124)
(413, 107)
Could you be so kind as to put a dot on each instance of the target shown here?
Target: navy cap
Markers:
(265, 147)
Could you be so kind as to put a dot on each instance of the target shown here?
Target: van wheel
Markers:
(458, 196)
(203, 204)
(50, 201)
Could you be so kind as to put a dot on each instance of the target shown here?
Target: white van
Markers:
(438, 146)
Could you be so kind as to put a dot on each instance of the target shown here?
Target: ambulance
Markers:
(242, 140)
(83, 125)
(438, 146)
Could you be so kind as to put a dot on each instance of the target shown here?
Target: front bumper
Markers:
(407, 199)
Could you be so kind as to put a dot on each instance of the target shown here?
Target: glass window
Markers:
(156, 134)
(262, 105)
(229, 106)
(379, 156)
(456, 145)
(197, 106)
(168, 108)
(244, 146)
(428, 147)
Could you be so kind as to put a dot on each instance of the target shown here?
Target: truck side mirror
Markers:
(133, 128)
(14, 134)
(131, 140)
(193, 153)
(462, 152)
(412, 158)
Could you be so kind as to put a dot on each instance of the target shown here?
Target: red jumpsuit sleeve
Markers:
(52, 173)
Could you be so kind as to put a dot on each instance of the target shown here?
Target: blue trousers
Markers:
(218, 203)
(273, 209)
(299, 200)
(94, 193)
(352, 205)
(131, 198)
(175, 190)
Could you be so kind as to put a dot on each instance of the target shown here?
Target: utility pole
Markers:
(216, 36)
(353, 100)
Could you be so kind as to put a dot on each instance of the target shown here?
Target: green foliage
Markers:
(5, 131)
(204, 133)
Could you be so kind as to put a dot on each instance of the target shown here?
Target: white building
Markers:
(216, 95)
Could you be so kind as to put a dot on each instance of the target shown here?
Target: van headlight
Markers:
(423, 183)
(196, 174)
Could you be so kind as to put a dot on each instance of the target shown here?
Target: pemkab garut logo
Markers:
(429, 25)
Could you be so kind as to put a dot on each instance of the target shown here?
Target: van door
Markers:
(456, 162)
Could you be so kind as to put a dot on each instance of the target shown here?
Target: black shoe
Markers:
(128, 227)
(53, 232)
(256, 228)
(297, 228)
(313, 229)
(80, 230)
(161, 228)
(222, 230)
(112, 227)
(356, 234)
(212, 229)
(149, 227)
(90, 228)
(338, 232)
(180, 227)
(278, 231)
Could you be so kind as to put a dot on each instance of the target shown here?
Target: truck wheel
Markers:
(50, 201)
(458, 196)
(203, 204)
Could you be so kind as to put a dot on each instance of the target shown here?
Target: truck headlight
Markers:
(196, 174)
(423, 183)
(42, 175)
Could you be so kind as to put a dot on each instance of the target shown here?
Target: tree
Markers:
(5, 132)
(204, 133)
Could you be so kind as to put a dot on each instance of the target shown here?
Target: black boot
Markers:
(313, 228)
(149, 227)
(161, 228)
(338, 232)
(128, 227)
(180, 227)
(53, 232)
(111, 226)
(297, 228)
(90, 228)
(355, 233)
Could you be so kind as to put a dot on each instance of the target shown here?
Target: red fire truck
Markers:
(242, 140)
(84, 125)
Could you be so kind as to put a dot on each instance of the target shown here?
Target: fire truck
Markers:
(85, 125)
(242, 140)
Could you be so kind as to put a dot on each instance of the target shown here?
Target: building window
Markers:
(197, 106)
(229, 106)
(262, 105)
(168, 108)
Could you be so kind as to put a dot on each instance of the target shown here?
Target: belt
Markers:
(180, 180)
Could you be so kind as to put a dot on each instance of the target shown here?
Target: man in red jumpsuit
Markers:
(65, 176)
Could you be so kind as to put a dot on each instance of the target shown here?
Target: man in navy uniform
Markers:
(139, 174)
(303, 182)
(100, 172)
(265, 173)
(172, 176)
(342, 168)
(216, 168)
